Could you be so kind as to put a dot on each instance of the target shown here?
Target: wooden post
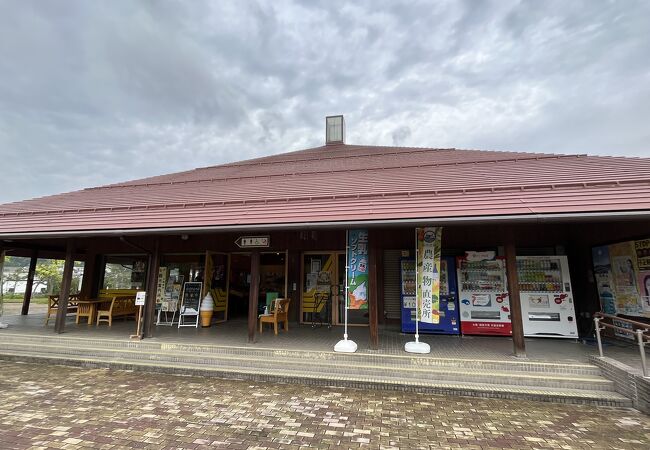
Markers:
(294, 277)
(253, 295)
(515, 299)
(64, 294)
(373, 305)
(152, 286)
(86, 288)
(30, 283)
(380, 286)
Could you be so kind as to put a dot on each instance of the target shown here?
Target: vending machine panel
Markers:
(547, 306)
(483, 293)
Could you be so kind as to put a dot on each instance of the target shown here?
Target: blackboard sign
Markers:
(191, 297)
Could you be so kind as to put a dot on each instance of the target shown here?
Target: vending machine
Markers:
(483, 293)
(449, 323)
(547, 306)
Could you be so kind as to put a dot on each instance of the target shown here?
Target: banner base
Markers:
(417, 347)
(345, 346)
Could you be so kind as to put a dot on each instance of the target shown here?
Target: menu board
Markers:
(191, 297)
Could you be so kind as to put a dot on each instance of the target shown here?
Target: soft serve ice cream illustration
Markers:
(359, 297)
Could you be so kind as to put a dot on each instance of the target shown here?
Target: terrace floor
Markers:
(303, 337)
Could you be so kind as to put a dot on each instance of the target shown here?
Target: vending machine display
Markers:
(547, 306)
(483, 293)
(449, 323)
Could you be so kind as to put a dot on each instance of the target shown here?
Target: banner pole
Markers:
(416, 346)
(2, 266)
(347, 287)
(346, 345)
(417, 287)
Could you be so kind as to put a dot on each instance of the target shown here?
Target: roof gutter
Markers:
(520, 218)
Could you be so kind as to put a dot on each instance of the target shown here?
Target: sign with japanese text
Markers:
(428, 273)
(253, 241)
(140, 297)
(642, 249)
(358, 269)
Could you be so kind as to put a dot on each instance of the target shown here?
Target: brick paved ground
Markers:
(61, 407)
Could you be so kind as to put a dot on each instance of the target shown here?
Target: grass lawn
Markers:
(40, 300)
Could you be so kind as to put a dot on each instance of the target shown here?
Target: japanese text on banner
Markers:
(428, 267)
(358, 269)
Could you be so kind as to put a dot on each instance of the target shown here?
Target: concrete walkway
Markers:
(46, 406)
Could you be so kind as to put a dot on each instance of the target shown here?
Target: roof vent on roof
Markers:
(334, 130)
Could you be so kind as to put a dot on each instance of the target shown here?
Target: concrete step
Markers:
(397, 361)
(457, 374)
(288, 375)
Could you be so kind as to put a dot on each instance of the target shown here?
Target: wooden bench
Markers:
(119, 306)
(53, 305)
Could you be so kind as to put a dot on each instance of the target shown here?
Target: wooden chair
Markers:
(119, 306)
(86, 310)
(280, 313)
(53, 305)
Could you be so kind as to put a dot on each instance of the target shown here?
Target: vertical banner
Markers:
(428, 273)
(358, 269)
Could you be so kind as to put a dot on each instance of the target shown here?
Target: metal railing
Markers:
(638, 328)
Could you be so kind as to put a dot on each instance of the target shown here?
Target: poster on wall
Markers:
(642, 249)
(428, 273)
(603, 278)
(358, 269)
(624, 270)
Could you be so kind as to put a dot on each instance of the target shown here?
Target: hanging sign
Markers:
(428, 273)
(358, 269)
(253, 241)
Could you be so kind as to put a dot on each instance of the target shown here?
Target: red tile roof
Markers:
(347, 183)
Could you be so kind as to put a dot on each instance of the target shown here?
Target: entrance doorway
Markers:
(273, 282)
(239, 285)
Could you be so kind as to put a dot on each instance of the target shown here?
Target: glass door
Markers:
(323, 291)
(318, 287)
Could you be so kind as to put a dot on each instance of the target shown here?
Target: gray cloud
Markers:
(99, 92)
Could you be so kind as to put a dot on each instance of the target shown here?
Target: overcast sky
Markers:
(97, 92)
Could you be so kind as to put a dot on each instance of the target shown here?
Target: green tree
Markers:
(49, 272)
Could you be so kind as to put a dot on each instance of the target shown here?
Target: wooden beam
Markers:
(253, 295)
(30, 283)
(373, 305)
(152, 286)
(64, 294)
(515, 299)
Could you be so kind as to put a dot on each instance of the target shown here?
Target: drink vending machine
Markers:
(547, 306)
(449, 323)
(483, 292)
